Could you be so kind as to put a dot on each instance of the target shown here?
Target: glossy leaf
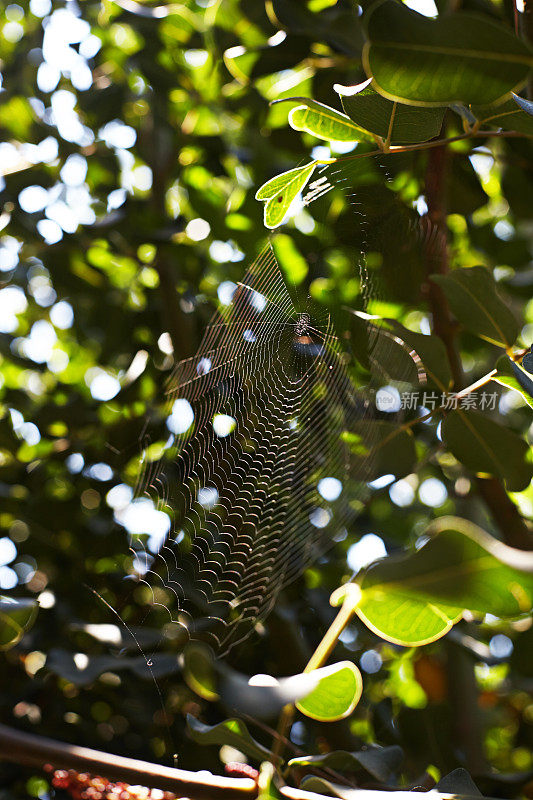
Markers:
(513, 376)
(380, 762)
(459, 781)
(279, 192)
(324, 122)
(16, 617)
(82, 670)
(416, 597)
(322, 786)
(527, 362)
(473, 298)
(366, 107)
(525, 105)
(459, 58)
(488, 448)
(231, 732)
(336, 695)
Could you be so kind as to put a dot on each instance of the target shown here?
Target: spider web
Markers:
(259, 477)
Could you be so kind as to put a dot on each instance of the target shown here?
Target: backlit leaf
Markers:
(336, 695)
(416, 597)
(324, 122)
(514, 377)
(279, 192)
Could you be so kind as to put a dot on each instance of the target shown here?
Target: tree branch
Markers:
(36, 751)
(512, 526)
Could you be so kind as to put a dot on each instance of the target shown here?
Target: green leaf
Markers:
(514, 377)
(459, 58)
(232, 732)
(416, 597)
(380, 762)
(336, 695)
(506, 115)
(324, 122)
(16, 617)
(259, 696)
(199, 671)
(380, 351)
(372, 111)
(428, 349)
(473, 298)
(486, 447)
(380, 448)
(431, 351)
(279, 192)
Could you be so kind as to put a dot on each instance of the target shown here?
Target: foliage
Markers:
(136, 139)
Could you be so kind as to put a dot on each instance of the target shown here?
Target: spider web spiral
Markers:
(272, 449)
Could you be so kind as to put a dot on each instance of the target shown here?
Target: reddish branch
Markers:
(36, 751)
(511, 524)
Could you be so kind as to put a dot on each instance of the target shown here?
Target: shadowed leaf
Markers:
(487, 447)
(461, 58)
(380, 762)
(372, 111)
(232, 732)
(473, 298)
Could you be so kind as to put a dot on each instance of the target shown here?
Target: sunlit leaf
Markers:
(416, 597)
(336, 695)
(279, 192)
(324, 122)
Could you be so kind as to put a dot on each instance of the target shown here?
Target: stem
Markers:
(332, 634)
(477, 385)
(386, 146)
(407, 148)
(351, 596)
(36, 751)
(527, 33)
